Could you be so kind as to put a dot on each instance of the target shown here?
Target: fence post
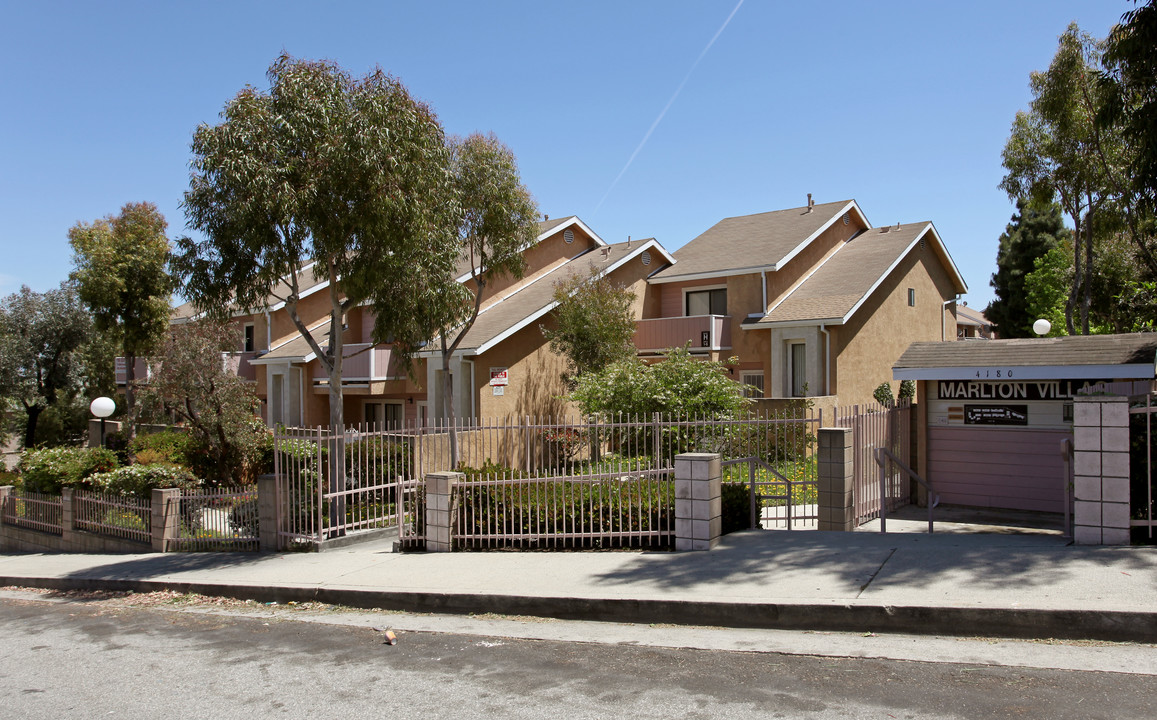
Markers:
(5, 493)
(267, 512)
(166, 518)
(440, 510)
(67, 518)
(836, 511)
(698, 501)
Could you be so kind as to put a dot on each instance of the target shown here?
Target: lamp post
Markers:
(102, 407)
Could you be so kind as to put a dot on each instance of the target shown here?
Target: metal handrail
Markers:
(1067, 458)
(933, 498)
(756, 508)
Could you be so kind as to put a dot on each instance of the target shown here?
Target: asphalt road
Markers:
(86, 660)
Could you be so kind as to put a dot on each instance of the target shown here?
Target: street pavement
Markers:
(1032, 585)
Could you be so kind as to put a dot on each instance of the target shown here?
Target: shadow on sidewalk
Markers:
(147, 567)
(851, 561)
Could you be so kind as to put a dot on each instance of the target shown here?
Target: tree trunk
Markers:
(1075, 290)
(129, 425)
(448, 405)
(33, 414)
(337, 464)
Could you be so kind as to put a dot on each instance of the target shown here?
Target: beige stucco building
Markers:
(811, 301)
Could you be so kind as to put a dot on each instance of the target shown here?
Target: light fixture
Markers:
(1041, 327)
(102, 407)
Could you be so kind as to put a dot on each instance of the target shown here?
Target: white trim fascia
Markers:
(810, 322)
(573, 220)
(731, 272)
(823, 228)
(278, 360)
(634, 253)
(884, 276)
(951, 263)
(1029, 373)
(799, 283)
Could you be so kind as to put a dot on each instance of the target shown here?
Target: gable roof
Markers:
(1099, 357)
(755, 243)
(837, 288)
(970, 316)
(527, 303)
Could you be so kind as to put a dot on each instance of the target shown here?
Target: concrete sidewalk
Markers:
(957, 584)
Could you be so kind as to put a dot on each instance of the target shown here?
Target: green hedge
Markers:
(141, 480)
(50, 469)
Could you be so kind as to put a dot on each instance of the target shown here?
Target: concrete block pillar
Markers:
(267, 515)
(440, 510)
(1101, 470)
(5, 493)
(166, 518)
(698, 501)
(67, 519)
(835, 486)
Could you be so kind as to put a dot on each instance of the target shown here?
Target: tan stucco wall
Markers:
(865, 349)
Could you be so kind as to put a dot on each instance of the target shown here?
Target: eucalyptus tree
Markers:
(121, 274)
(347, 179)
(496, 221)
(1055, 150)
(40, 335)
(1130, 79)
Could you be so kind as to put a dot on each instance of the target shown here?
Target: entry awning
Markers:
(1083, 357)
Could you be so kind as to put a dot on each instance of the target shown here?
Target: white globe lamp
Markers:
(1041, 327)
(102, 407)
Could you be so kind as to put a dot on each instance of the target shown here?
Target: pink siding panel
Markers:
(1001, 468)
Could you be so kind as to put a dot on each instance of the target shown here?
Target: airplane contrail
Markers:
(667, 107)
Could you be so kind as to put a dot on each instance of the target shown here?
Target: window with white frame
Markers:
(706, 302)
(752, 383)
(797, 368)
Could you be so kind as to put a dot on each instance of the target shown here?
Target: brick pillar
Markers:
(267, 512)
(67, 520)
(439, 510)
(1101, 470)
(835, 485)
(5, 492)
(698, 501)
(166, 518)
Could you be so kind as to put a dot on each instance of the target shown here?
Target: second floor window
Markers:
(707, 302)
(250, 338)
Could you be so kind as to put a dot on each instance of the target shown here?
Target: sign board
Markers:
(498, 376)
(705, 338)
(1011, 390)
(996, 414)
(499, 390)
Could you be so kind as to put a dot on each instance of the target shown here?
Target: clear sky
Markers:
(648, 119)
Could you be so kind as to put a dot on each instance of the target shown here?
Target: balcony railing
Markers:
(704, 332)
(234, 362)
(364, 362)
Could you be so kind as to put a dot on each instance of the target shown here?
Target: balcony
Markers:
(363, 362)
(704, 332)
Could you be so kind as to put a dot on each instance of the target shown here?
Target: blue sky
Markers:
(904, 106)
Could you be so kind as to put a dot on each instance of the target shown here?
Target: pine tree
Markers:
(1032, 233)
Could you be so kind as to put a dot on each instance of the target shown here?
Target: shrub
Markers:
(50, 469)
(389, 457)
(168, 446)
(883, 394)
(736, 514)
(141, 480)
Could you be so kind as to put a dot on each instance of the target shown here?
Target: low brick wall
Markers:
(16, 539)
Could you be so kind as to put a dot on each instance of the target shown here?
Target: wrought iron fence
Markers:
(34, 511)
(221, 519)
(113, 515)
(874, 427)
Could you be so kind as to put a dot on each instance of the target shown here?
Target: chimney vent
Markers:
(810, 203)
(628, 242)
(545, 217)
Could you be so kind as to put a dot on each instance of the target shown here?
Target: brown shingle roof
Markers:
(834, 290)
(532, 299)
(751, 241)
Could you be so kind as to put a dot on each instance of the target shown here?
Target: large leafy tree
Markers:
(1130, 79)
(192, 384)
(121, 274)
(1056, 150)
(345, 178)
(1032, 232)
(495, 224)
(40, 334)
(594, 324)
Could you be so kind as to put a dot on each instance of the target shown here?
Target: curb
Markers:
(1024, 623)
